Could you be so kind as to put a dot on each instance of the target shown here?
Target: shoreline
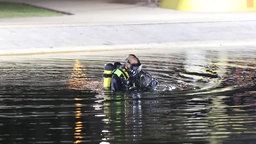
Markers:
(170, 46)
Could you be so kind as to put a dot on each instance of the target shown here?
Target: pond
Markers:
(205, 95)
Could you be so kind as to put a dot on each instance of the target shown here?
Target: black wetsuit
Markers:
(143, 81)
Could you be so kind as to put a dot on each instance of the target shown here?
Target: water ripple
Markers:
(204, 96)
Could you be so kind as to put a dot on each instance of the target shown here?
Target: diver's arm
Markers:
(120, 84)
(153, 83)
(116, 83)
(147, 81)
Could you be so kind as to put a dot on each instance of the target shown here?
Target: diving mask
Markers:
(134, 68)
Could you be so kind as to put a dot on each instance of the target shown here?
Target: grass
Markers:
(11, 10)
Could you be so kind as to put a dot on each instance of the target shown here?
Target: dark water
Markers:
(204, 96)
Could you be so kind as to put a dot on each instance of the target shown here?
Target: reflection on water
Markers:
(204, 96)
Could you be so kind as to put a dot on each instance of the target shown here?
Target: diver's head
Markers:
(133, 65)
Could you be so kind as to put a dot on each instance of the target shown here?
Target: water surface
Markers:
(204, 96)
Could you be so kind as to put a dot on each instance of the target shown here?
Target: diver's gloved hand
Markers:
(128, 83)
(147, 82)
(153, 83)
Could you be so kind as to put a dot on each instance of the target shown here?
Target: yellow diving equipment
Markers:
(107, 75)
(122, 72)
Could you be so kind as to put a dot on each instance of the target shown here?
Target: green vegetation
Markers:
(10, 10)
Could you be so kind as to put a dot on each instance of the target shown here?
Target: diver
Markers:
(129, 76)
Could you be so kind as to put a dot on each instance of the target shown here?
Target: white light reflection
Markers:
(100, 115)
(104, 140)
(104, 143)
